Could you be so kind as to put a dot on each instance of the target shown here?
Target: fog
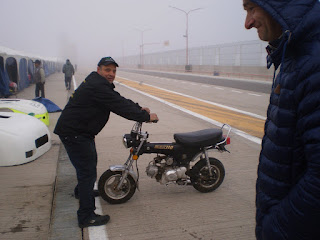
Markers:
(86, 30)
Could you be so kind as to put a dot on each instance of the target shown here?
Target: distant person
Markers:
(83, 117)
(288, 183)
(39, 78)
(68, 71)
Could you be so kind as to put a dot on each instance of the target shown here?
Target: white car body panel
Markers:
(23, 138)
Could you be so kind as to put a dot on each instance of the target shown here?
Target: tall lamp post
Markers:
(187, 34)
(141, 46)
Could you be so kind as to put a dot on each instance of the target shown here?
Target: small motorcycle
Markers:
(184, 162)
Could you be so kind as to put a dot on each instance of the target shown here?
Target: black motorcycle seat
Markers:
(202, 138)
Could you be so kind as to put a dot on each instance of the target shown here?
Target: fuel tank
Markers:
(180, 153)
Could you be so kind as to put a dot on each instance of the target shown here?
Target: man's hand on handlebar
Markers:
(153, 118)
(146, 109)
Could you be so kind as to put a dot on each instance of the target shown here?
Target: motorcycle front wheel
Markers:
(108, 183)
(201, 179)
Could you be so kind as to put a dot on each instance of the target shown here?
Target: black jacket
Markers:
(89, 108)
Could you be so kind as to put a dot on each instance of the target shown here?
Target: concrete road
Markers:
(37, 198)
(251, 85)
(251, 101)
(178, 212)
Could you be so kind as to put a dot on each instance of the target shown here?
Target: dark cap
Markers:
(37, 62)
(106, 61)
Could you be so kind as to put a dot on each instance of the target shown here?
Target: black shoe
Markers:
(96, 220)
(95, 194)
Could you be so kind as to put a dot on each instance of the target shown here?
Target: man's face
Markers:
(268, 29)
(108, 72)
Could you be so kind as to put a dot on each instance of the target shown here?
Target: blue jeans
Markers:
(83, 156)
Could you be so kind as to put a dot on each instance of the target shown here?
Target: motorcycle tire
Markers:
(200, 175)
(107, 187)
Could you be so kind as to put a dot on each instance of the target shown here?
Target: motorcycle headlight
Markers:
(127, 140)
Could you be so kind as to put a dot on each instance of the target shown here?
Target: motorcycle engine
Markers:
(173, 174)
(152, 170)
(164, 172)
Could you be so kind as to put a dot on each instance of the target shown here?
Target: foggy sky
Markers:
(86, 30)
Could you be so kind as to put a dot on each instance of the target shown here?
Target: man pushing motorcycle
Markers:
(84, 116)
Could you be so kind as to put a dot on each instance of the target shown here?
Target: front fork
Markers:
(125, 173)
(134, 155)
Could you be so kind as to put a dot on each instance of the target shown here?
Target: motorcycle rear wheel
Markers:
(107, 187)
(202, 181)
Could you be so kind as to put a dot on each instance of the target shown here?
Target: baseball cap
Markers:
(106, 61)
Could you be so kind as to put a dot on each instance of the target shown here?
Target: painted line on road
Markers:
(98, 232)
(217, 123)
(236, 91)
(250, 124)
(74, 82)
(254, 94)
(205, 101)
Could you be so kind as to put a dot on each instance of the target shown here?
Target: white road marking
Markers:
(253, 94)
(98, 232)
(236, 91)
(205, 101)
(74, 83)
(208, 86)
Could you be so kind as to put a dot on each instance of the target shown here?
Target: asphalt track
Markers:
(249, 85)
(37, 199)
(251, 125)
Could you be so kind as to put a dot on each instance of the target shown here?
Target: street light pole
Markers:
(187, 30)
(142, 44)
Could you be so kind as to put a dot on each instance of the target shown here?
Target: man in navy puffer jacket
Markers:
(288, 184)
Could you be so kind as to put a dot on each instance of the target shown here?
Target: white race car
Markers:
(23, 138)
(32, 108)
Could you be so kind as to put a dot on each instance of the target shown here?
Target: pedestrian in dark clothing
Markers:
(82, 119)
(39, 79)
(68, 71)
(288, 183)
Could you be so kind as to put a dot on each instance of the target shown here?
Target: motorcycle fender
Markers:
(122, 168)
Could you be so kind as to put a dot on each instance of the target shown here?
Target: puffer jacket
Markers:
(288, 183)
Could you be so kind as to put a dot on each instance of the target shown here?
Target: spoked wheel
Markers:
(201, 179)
(108, 183)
